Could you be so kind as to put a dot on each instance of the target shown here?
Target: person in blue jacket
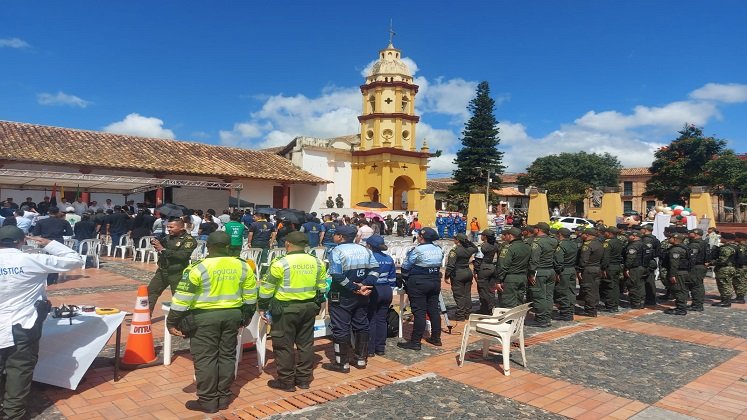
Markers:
(422, 270)
(381, 297)
(440, 225)
(450, 227)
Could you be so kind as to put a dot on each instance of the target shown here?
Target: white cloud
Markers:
(411, 65)
(729, 92)
(449, 97)
(137, 125)
(669, 116)
(61, 99)
(442, 166)
(13, 43)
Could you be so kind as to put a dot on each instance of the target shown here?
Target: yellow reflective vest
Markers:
(295, 276)
(216, 283)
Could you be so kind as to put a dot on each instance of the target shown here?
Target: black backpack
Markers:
(392, 323)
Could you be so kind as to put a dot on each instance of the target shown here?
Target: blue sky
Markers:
(600, 76)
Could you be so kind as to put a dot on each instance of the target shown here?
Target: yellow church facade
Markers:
(387, 166)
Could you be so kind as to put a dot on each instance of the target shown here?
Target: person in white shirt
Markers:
(23, 223)
(23, 308)
(93, 207)
(108, 205)
(79, 207)
(364, 232)
(71, 216)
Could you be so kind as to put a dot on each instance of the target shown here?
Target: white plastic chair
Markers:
(272, 254)
(143, 247)
(90, 248)
(318, 252)
(504, 326)
(251, 254)
(125, 243)
(106, 242)
(70, 242)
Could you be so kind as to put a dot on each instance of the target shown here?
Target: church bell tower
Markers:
(387, 165)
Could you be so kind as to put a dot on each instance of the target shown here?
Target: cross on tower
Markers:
(388, 100)
(391, 32)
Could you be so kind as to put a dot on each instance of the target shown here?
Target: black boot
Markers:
(739, 299)
(342, 353)
(726, 303)
(361, 350)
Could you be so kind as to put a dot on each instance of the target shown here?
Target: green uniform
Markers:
(740, 276)
(542, 267)
(653, 251)
(698, 255)
(565, 265)
(609, 286)
(677, 262)
(635, 270)
(293, 290)
(514, 263)
(725, 271)
(486, 270)
(590, 266)
(171, 263)
(235, 230)
(213, 299)
(663, 269)
(460, 275)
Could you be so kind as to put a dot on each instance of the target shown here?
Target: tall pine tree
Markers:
(479, 154)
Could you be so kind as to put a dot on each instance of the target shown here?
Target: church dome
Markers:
(390, 63)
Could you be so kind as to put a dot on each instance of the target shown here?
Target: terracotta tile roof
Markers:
(273, 150)
(46, 144)
(438, 184)
(634, 171)
(509, 192)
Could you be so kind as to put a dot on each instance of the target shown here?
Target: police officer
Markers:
(422, 270)
(565, 266)
(725, 269)
(653, 251)
(313, 230)
(459, 275)
(609, 286)
(541, 276)
(354, 271)
(214, 298)
(740, 277)
(293, 291)
(514, 265)
(699, 254)
(174, 252)
(381, 297)
(24, 306)
(590, 270)
(635, 269)
(677, 262)
(485, 271)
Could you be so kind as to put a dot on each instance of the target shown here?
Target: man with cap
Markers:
(678, 264)
(174, 252)
(381, 297)
(653, 252)
(635, 269)
(23, 308)
(54, 228)
(354, 271)
(459, 275)
(484, 264)
(740, 278)
(609, 286)
(590, 270)
(541, 276)
(725, 265)
(261, 234)
(700, 253)
(565, 268)
(514, 266)
(293, 292)
(422, 273)
(214, 298)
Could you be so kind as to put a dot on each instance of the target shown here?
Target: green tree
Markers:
(729, 171)
(681, 165)
(479, 155)
(568, 176)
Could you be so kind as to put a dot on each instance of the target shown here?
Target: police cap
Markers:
(488, 232)
(11, 235)
(512, 231)
(542, 226)
(590, 231)
(218, 238)
(635, 233)
(347, 231)
(613, 230)
(376, 242)
(297, 238)
(528, 228)
(697, 231)
(565, 232)
(678, 236)
(429, 234)
(460, 237)
(647, 227)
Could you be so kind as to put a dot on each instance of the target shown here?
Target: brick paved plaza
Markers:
(633, 364)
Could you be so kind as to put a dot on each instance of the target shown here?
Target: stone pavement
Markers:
(633, 364)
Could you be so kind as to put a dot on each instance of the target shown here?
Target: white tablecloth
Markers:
(67, 351)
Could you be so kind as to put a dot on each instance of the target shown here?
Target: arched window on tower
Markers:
(372, 103)
(405, 104)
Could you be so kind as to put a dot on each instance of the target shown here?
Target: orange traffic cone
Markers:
(140, 351)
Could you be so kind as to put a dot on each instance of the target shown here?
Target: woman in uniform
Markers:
(485, 270)
(459, 275)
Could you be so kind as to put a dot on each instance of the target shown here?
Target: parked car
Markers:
(574, 222)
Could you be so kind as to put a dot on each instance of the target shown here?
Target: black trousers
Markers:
(18, 363)
(378, 307)
(461, 287)
(423, 293)
(348, 315)
(485, 289)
